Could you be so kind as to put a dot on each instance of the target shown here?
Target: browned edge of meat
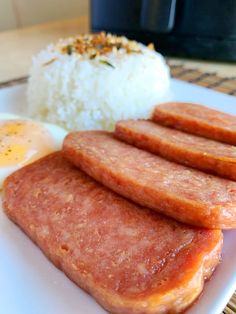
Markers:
(81, 226)
(185, 194)
(187, 149)
(197, 119)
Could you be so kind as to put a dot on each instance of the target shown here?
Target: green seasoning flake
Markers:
(135, 51)
(69, 50)
(107, 63)
(49, 62)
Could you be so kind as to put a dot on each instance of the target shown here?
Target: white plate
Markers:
(30, 284)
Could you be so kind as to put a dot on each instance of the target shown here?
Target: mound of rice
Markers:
(91, 81)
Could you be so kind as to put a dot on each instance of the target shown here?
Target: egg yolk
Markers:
(22, 142)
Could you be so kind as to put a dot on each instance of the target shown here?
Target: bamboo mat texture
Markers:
(225, 85)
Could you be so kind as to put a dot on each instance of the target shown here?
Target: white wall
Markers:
(20, 13)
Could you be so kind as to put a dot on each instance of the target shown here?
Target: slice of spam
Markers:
(191, 150)
(186, 194)
(197, 119)
(130, 259)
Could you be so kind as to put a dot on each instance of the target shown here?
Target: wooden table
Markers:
(18, 46)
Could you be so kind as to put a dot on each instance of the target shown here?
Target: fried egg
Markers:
(23, 141)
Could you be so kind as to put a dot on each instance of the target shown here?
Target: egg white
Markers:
(57, 133)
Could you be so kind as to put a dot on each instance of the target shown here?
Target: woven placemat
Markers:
(225, 85)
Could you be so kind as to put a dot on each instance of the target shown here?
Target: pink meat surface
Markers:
(129, 258)
(186, 194)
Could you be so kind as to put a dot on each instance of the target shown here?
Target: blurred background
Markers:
(191, 33)
(21, 13)
(187, 28)
(191, 28)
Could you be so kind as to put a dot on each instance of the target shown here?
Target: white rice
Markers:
(78, 93)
